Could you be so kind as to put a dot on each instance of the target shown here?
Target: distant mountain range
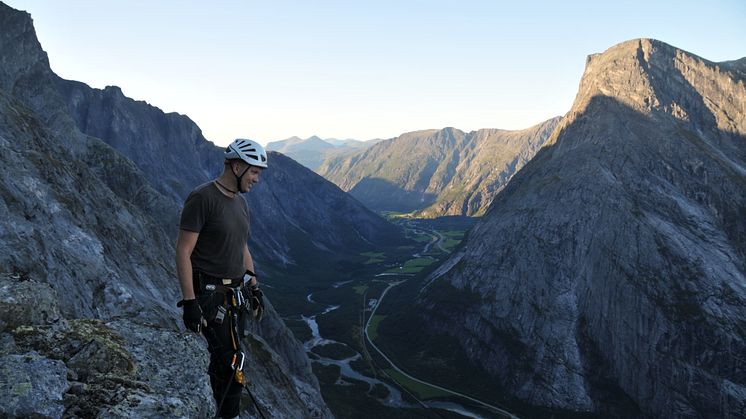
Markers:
(437, 172)
(609, 276)
(311, 152)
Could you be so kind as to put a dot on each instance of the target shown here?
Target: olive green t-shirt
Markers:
(223, 227)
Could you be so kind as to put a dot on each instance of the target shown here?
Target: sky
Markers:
(361, 69)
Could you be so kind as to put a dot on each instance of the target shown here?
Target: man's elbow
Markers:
(182, 253)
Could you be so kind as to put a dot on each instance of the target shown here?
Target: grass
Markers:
(423, 391)
(413, 266)
(360, 289)
(373, 329)
(422, 238)
(450, 244)
(373, 257)
(456, 234)
(394, 215)
(452, 238)
(334, 351)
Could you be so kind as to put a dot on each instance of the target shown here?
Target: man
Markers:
(215, 268)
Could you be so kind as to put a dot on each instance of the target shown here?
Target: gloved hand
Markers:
(257, 301)
(192, 315)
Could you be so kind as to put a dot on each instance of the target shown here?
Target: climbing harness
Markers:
(235, 306)
(232, 306)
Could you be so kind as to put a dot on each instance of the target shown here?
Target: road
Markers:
(440, 241)
(496, 409)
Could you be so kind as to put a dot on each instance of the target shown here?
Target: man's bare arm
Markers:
(184, 246)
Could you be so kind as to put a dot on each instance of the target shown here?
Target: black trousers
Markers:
(222, 343)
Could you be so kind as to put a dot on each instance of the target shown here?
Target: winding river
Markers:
(394, 397)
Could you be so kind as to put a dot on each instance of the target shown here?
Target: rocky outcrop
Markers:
(24, 392)
(122, 368)
(437, 172)
(610, 274)
(86, 271)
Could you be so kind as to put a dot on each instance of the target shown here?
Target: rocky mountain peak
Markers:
(19, 46)
(653, 77)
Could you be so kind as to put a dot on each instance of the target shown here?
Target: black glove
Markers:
(257, 301)
(192, 315)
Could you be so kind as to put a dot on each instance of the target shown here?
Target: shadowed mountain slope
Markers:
(295, 213)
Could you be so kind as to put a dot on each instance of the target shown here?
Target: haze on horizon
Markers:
(272, 70)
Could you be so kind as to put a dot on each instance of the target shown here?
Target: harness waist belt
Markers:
(204, 281)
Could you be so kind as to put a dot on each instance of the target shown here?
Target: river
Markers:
(394, 397)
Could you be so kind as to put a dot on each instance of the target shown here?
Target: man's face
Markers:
(250, 178)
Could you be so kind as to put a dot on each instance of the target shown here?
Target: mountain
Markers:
(609, 276)
(296, 214)
(350, 143)
(437, 172)
(87, 313)
(311, 152)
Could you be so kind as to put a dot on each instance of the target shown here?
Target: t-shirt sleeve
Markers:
(194, 214)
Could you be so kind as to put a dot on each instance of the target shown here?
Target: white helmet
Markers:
(249, 151)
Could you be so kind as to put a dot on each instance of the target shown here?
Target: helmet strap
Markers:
(239, 177)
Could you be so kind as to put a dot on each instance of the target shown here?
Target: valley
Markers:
(368, 347)
(338, 326)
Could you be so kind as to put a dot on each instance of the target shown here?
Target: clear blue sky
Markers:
(361, 69)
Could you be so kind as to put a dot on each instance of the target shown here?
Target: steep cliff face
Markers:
(75, 212)
(87, 240)
(292, 207)
(157, 142)
(437, 172)
(612, 269)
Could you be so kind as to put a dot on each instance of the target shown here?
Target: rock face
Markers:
(437, 172)
(611, 271)
(123, 368)
(24, 393)
(86, 271)
(154, 140)
(75, 213)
